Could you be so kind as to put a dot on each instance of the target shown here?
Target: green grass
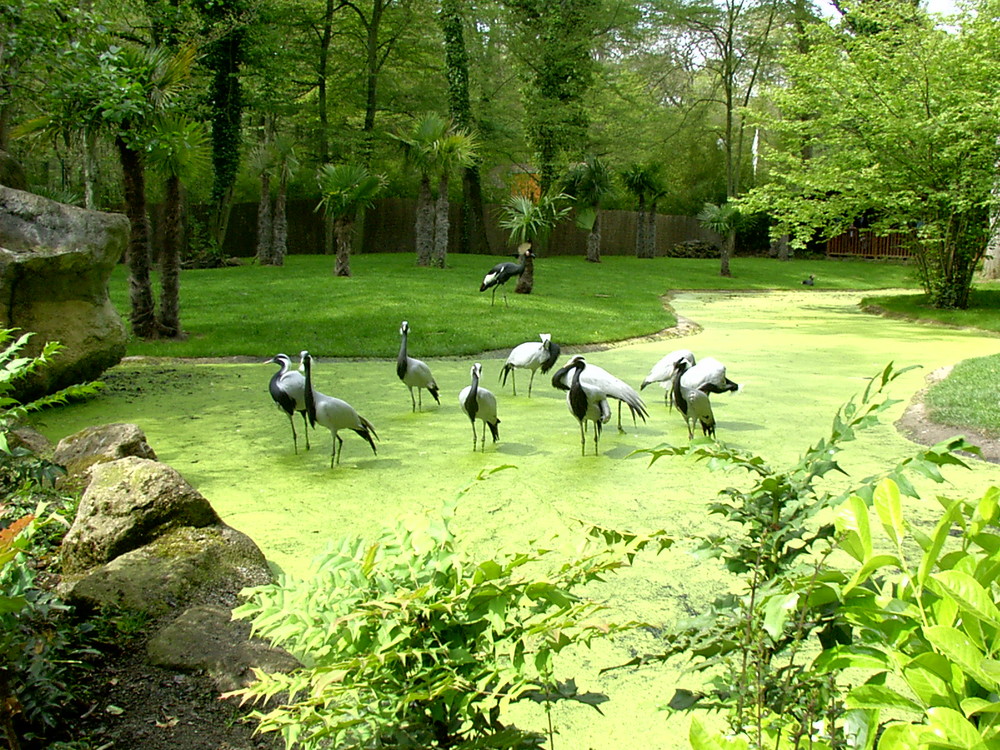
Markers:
(259, 311)
(983, 311)
(968, 396)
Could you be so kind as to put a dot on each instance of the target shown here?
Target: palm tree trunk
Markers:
(425, 223)
(641, 245)
(651, 230)
(526, 281)
(169, 317)
(279, 245)
(594, 241)
(343, 229)
(728, 242)
(265, 248)
(441, 225)
(141, 315)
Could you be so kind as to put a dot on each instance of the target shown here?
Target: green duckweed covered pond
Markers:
(797, 355)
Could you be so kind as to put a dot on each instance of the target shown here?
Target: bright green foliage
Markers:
(529, 220)
(896, 126)
(406, 642)
(345, 189)
(779, 548)
(922, 615)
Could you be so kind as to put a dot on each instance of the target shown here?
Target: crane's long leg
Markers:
(420, 399)
(513, 380)
(295, 438)
(583, 438)
(305, 422)
(412, 400)
(493, 299)
(597, 438)
(620, 417)
(530, 381)
(340, 448)
(473, 435)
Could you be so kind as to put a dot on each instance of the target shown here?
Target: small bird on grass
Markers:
(811, 281)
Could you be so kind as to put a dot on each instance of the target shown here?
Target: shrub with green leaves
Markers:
(406, 642)
(923, 616)
(751, 644)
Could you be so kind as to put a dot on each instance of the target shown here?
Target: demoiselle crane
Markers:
(586, 403)
(479, 403)
(335, 414)
(692, 403)
(530, 355)
(288, 389)
(601, 380)
(413, 372)
(663, 372)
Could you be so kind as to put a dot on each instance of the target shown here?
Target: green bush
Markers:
(406, 642)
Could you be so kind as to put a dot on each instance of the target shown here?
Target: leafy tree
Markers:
(559, 39)
(588, 184)
(345, 190)
(178, 149)
(643, 181)
(724, 220)
(420, 153)
(901, 125)
(473, 230)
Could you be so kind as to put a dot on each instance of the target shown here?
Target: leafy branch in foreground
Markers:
(406, 642)
(778, 540)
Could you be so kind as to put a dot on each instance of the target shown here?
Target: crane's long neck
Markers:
(310, 399)
(577, 397)
(472, 400)
(678, 392)
(401, 359)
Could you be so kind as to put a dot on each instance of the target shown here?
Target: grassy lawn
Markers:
(259, 311)
(983, 311)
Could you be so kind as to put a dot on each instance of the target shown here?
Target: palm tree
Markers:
(530, 222)
(588, 184)
(261, 163)
(178, 149)
(418, 151)
(643, 181)
(724, 220)
(287, 165)
(346, 189)
(454, 150)
(123, 90)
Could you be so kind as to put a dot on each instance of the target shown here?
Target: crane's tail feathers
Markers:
(433, 390)
(494, 430)
(367, 435)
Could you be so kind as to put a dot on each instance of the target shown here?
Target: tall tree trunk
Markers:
(170, 260)
(141, 315)
(991, 264)
(441, 225)
(526, 281)
(226, 98)
(728, 242)
(279, 247)
(343, 229)
(641, 245)
(326, 37)
(594, 241)
(651, 230)
(472, 237)
(424, 226)
(265, 229)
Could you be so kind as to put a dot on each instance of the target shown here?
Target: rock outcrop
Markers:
(145, 541)
(55, 262)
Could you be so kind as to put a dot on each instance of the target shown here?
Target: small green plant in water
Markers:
(778, 539)
(406, 642)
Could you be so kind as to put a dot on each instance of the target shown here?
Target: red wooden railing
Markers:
(860, 243)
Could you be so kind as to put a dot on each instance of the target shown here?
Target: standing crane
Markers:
(530, 355)
(479, 403)
(600, 379)
(663, 372)
(501, 273)
(692, 403)
(709, 375)
(288, 389)
(335, 415)
(413, 372)
(586, 403)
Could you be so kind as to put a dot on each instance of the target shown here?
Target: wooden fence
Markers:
(860, 243)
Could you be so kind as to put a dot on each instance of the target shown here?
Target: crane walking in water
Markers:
(586, 403)
(601, 380)
(288, 389)
(413, 372)
(479, 403)
(530, 355)
(335, 415)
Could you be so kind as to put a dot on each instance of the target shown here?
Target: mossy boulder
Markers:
(55, 263)
(129, 503)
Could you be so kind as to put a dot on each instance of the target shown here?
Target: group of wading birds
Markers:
(589, 389)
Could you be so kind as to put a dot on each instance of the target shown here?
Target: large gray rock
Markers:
(99, 444)
(55, 262)
(206, 639)
(128, 503)
(182, 567)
